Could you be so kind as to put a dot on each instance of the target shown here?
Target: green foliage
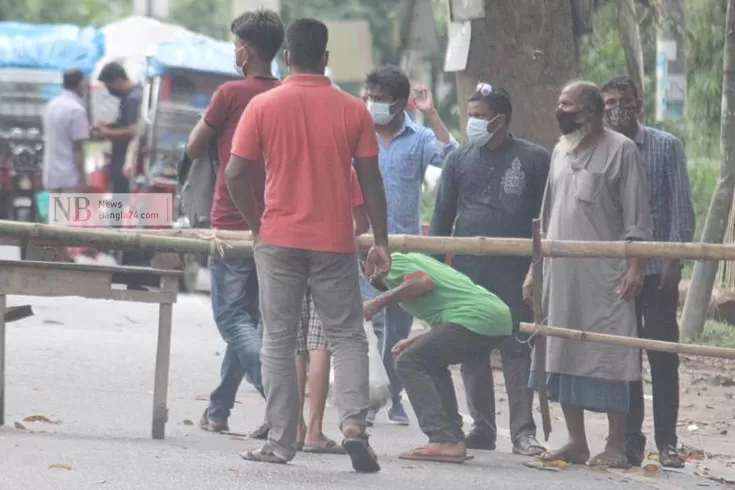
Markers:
(602, 57)
(81, 12)
(703, 174)
(209, 17)
(717, 334)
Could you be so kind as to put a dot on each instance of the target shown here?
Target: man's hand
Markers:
(528, 289)
(370, 309)
(670, 275)
(129, 169)
(632, 283)
(423, 99)
(401, 346)
(377, 263)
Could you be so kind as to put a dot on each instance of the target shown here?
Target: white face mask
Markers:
(380, 112)
(477, 131)
(239, 68)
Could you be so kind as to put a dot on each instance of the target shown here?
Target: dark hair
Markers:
(72, 78)
(497, 101)
(263, 29)
(622, 83)
(307, 43)
(111, 72)
(390, 79)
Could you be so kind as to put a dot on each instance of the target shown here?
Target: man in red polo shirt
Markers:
(309, 133)
(258, 36)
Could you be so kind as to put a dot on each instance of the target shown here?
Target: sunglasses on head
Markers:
(484, 88)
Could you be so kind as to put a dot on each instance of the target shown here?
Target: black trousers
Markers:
(424, 369)
(656, 311)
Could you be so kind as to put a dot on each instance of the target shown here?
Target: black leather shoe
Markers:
(669, 458)
(477, 440)
(528, 445)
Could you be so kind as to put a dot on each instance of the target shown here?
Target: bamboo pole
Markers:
(238, 242)
(105, 238)
(632, 342)
(539, 345)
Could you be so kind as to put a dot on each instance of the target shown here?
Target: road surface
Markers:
(88, 366)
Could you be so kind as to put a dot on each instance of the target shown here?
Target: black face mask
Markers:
(567, 122)
(117, 93)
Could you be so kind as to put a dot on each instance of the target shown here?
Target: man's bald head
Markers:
(584, 95)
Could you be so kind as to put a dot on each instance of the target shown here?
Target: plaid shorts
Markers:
(311, 331)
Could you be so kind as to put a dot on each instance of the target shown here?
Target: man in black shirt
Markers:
(124, 129)
(493, 186)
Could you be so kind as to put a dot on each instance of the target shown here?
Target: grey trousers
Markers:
(477, 376)
(283, 274)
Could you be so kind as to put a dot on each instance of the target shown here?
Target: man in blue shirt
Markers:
(406, 151)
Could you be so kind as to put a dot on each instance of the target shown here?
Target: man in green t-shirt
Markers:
(466, 321)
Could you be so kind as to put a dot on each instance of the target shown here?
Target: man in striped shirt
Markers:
(656, 306)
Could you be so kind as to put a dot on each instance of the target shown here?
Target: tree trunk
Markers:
(528, 48)
(630, 37)
(703, 278)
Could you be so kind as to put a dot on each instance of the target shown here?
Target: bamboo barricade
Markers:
(539, 348)
(632, 342)
(229, 243)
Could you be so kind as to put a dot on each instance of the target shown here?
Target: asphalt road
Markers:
(88, 365)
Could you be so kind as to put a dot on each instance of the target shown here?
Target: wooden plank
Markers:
(51, 281)
(539, 348)
(163, 359)
(90, 268)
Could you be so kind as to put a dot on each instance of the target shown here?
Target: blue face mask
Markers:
(477, 133)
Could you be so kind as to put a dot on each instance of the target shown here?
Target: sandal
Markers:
(419, 454)
(263, 455)
(362, 455)
(610, 459)
(329, 447)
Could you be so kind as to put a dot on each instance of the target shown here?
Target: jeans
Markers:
(235, 306)
(335, 290)
(656, 310)
(390, 326)
(424, 367)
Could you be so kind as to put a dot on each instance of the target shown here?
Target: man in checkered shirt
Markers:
(313, 351)
(656, 306)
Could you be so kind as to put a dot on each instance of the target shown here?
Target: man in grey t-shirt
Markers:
(65, 132)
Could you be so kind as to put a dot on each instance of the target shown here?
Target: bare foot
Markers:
(571, 453)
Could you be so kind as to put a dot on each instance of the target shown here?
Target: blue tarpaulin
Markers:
(195, 53)
(50, 46)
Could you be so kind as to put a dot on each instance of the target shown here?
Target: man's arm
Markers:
(447, 197)
(371, 182)
(79, 127)
(413, 286)
(239, 173)
(118, 134)
(682, 209)
(203, 134)
(128, 121)
(362, 223)
(424, 101)
(539, 181)
(246, 150)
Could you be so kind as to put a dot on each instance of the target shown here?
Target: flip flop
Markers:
(330, 447)
(413, 455)
(362, 456)
(262, 455)
(609, 460)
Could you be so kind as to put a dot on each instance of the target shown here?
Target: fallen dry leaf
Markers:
(188, 422)
(540, 465)
(40, 418)
(59, 466)
(236, 438)
(235, 469)
(19, 426)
